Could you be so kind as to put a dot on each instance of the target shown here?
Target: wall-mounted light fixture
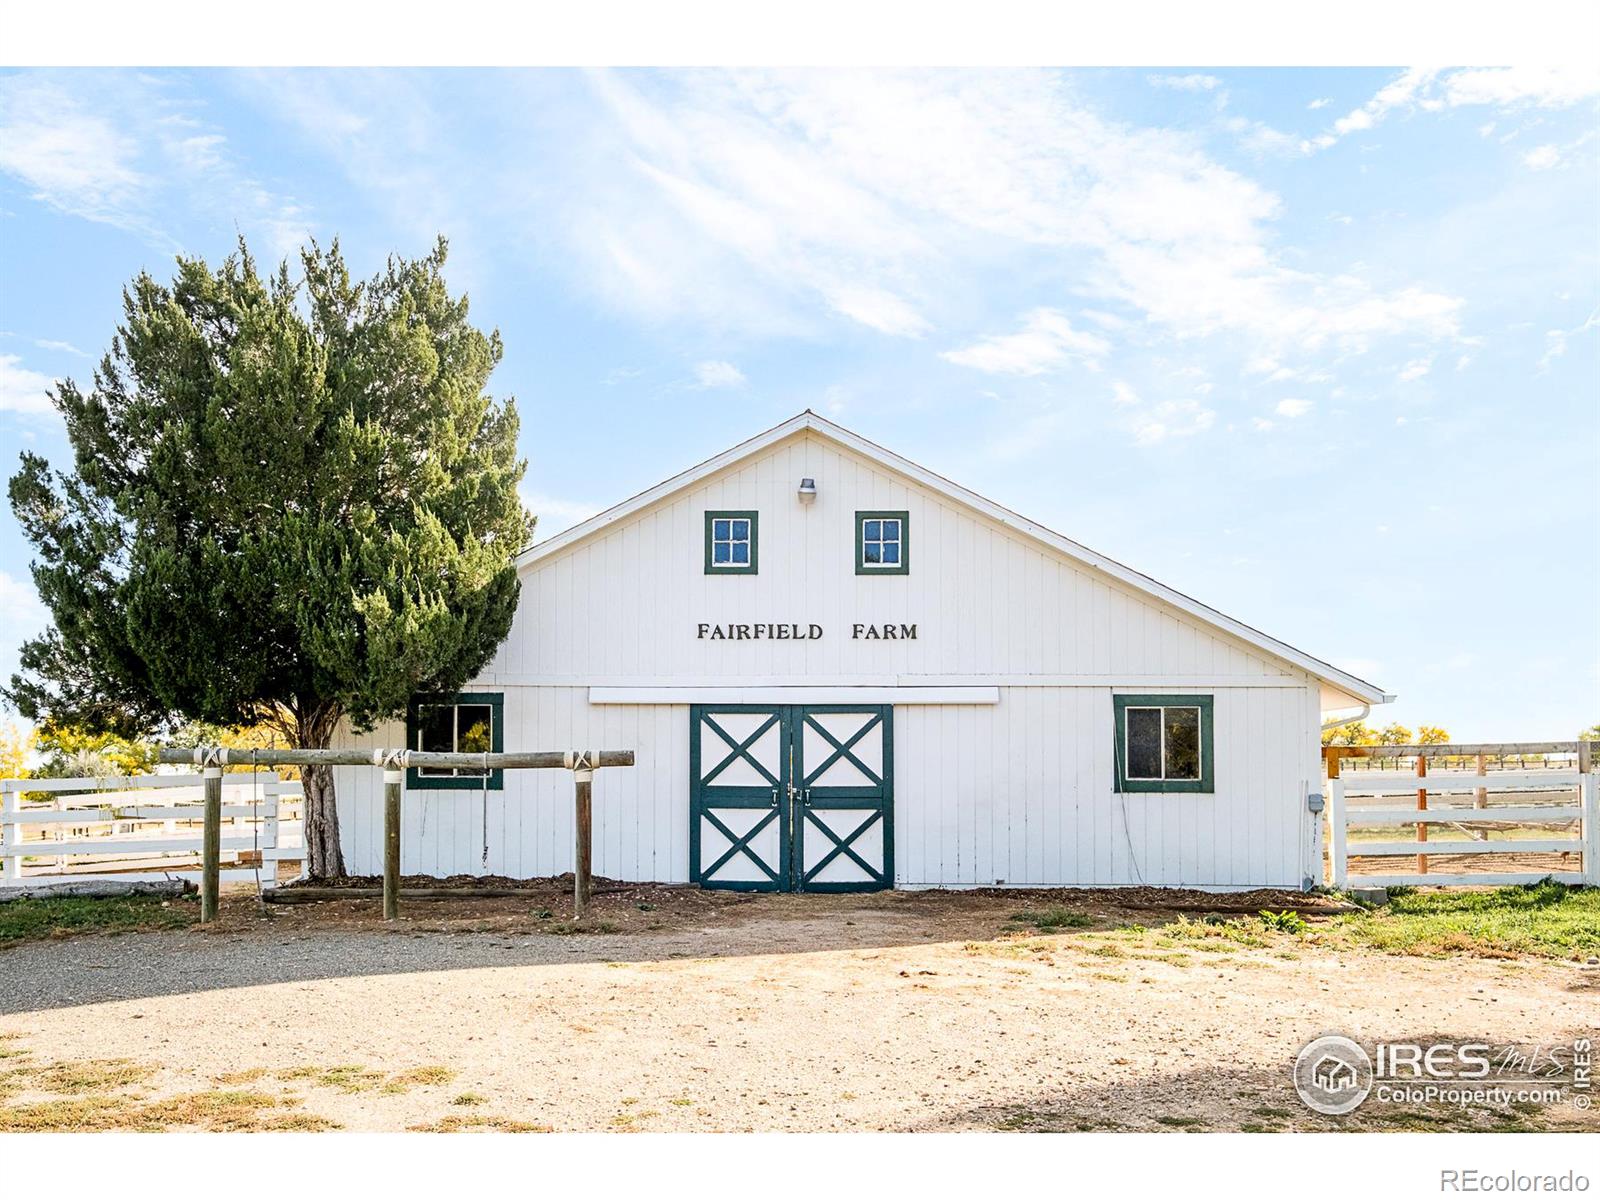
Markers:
(808, 490)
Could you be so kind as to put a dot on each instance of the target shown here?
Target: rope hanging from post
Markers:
(483, 789)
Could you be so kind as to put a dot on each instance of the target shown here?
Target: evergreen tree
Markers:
(290, 502)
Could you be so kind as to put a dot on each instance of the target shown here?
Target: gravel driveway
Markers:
(800, 1013)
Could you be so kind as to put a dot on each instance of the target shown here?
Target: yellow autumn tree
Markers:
(15, 746)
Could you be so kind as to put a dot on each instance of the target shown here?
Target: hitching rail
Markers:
(582, 764)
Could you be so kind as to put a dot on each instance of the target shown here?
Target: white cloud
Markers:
(1415, 369)
(1260, 424)
(1186, 83)
(877, 309)
(1046, 340)
(1292, 408)
(1172, 418)
(1509, 87)
(1121, 393)
(1320, 102)
(22, 390)
(1541, 158)
(767, 200)
(555, 513)
(1506, 88)
(715, 373)
(63, 347)
(125, 149)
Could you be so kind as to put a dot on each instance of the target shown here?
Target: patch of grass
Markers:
(81, 1078)
(224, 1110)
(1054, 918)
(484, 1121)
(64, 916)
(1181, 1122)
(234, 1078)
(1276, 1113)
(11, 1051)
(427, 1076)
(218, 1111)
(1546, 919)
(469, 1100)
(349, 1078)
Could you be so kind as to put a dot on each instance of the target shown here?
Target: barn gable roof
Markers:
(1343, 681)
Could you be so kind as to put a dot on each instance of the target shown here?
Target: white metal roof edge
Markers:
(808, 420)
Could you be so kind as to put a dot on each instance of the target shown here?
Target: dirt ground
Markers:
(678, 1009)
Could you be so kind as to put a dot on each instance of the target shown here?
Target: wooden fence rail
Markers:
(582, 764)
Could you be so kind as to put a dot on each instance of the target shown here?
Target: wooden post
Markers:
(393, 778)
(1480, 798)
(211, 846)
(1422, 806)
(583, 860)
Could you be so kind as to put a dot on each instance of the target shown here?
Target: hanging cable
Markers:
(483, 788)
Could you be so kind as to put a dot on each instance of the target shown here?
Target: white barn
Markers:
(841, 671)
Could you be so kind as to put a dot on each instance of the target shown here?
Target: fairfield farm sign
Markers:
(764, 632)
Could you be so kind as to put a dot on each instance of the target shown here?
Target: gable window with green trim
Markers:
(732, 542)
(883, 543)
(1164, 743)
(467, 723)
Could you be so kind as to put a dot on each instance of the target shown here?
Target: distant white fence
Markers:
(143, 827)
(1456, 800)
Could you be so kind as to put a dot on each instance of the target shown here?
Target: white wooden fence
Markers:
(1576, 807)
(142, 827)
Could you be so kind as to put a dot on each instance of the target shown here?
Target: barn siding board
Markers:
(1021, 791)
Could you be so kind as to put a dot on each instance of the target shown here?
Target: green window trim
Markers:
(1206, 782)
(417, 781)
(755, 541)
(903, 567)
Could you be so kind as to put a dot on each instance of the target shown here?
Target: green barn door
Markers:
(790, 798)
(844, 773)
(739, 786)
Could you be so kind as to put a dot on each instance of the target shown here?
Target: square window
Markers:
(1164, 743)
(470, 723)
(883, 543)
(731, 543)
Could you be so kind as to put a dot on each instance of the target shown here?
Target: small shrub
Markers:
(1287, 921)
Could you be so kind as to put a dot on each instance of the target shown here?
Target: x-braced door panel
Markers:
(739, 787)
(844, 768)
(792, 798)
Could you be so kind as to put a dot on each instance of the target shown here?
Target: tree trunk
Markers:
(324, 860)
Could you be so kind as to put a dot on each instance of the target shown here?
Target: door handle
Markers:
(808, 798)
(774, 797)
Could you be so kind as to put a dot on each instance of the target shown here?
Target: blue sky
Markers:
(1317, 347)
